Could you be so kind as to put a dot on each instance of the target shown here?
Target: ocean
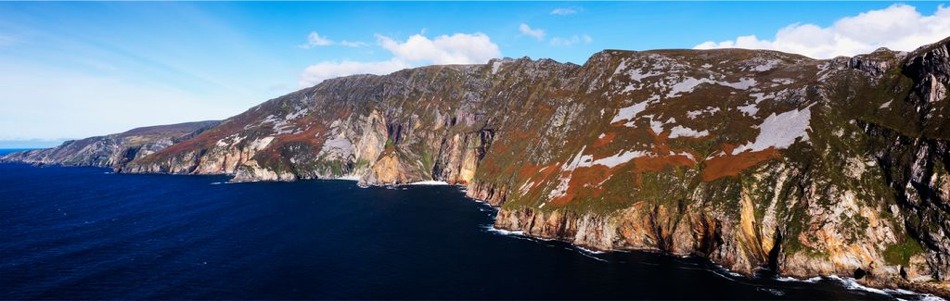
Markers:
(86, 233)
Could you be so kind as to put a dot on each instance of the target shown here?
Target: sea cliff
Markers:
(761, 161)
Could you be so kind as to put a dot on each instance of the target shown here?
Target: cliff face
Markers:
(761, 161)
(112, 150)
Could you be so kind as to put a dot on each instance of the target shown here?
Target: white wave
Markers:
(589, 253)
(775, 292)
(429, 183)
(521, 235)
(793, 279)
(852, 284)
(491, 228)
(586, 250)
(217, 183)
(919, 296)
(727, 272)
(900, 291)
(349, 178)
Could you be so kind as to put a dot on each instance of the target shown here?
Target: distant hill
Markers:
(112, 150)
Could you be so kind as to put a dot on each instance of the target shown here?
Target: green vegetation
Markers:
(899, 254)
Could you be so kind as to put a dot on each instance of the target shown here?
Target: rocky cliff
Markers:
(764, 162)
(112, 150)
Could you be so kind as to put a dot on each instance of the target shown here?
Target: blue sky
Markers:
(73, 70)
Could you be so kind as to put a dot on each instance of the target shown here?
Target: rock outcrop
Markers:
(764, 162)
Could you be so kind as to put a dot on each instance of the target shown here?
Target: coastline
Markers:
(493, 200)
(471, 190)
(850, 283)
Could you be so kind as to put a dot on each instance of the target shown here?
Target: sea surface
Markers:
(86, 233)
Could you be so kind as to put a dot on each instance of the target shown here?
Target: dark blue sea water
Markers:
(85, 233)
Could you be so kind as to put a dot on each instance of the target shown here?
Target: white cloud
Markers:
(573, 40)
(563, 11)
(526, 30)
(417, 50)
(898, 27)
(459, 48)
(314, 39)
(326, 70)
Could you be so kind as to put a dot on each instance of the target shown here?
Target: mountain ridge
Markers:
(757, 160)
(114, 149)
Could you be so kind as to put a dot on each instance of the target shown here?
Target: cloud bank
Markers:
(898, 27)
(537, 33)
(314, 39)
(417, 50)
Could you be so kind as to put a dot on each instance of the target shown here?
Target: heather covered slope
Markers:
(758, 160)
(112, 150)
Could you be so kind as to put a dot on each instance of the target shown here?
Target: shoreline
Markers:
(846, 282)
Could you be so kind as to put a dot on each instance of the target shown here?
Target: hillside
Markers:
(758, 160)
(112, 150)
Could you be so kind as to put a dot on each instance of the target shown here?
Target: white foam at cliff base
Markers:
(583, 249)
(793, 279)
(932, 298)
(727, 272)
(922, 296)
(851, 284)
(521, 235)
(492, 229)
(429, 183)
(773, 291)
(349, 178)
(516, 234)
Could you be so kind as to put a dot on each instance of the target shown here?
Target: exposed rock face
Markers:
(112, 150)
(758, 160)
